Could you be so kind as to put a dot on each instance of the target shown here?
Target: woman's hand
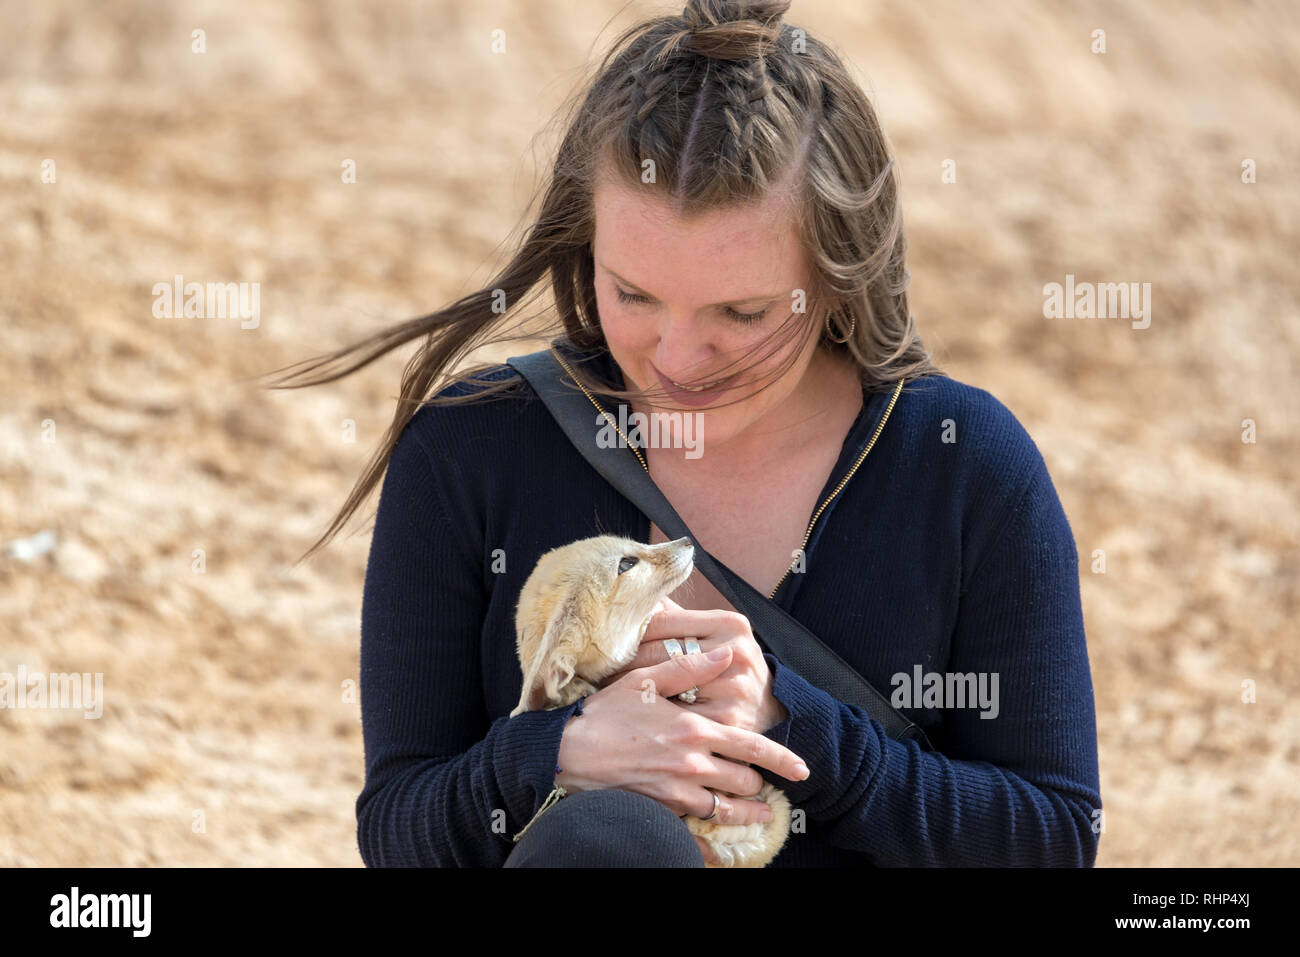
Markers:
(631, 736)
(741, 696)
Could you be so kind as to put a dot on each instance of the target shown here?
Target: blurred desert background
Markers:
(132, 454)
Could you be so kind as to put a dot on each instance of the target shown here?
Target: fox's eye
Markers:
(626, 562)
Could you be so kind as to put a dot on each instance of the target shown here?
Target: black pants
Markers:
(607, 828)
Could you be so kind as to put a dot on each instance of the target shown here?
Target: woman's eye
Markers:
(746, 316)
(738, 316)
(628, 297)
(626, 562)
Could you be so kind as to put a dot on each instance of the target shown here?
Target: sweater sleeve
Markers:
(444, 787)
(1018, 789)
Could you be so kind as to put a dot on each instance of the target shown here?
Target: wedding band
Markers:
(717, 803)
(674, 649)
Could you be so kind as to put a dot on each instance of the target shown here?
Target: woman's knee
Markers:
(607, 828)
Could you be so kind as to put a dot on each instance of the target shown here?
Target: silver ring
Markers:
(674, 649)
(688, 697)
(717, 803)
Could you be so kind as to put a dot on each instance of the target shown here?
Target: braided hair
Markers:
(722, 105)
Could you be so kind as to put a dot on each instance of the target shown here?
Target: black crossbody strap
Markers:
(779, 632)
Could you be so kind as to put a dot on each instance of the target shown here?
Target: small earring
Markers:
(853, 325)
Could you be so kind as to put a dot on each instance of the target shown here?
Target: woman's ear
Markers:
(555, 656)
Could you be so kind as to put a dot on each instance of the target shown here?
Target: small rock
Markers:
(27, 549)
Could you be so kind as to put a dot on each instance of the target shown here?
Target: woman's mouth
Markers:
(701, 394)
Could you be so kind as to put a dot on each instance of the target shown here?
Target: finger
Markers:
(681, 622)
(649, 652)
(726, 777)
(681, 673)
(750, 747)
(731, 810)
(662, 606)
(656, 652)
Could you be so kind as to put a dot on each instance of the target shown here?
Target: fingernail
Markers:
(717, 654)
(801, 769)
(765, 814)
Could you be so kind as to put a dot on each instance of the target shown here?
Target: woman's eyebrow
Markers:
(635, 288)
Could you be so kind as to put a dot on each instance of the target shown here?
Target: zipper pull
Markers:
(551, 799)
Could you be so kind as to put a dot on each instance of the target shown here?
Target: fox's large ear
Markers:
(553, 661)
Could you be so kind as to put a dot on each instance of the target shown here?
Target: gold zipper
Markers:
(560, 359)
(821, 508)
(845, 481)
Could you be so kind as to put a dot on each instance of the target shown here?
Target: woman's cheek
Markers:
(614, 318)
(621, 327)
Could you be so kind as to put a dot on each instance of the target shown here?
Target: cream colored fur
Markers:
(580, 619)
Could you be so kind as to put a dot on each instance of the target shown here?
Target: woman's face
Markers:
(707, 291)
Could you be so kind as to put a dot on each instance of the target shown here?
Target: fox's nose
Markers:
(676, 550)
(679, 547)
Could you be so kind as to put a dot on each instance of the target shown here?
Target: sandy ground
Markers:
(178, 499)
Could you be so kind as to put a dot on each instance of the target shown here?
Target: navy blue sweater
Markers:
(946, 552)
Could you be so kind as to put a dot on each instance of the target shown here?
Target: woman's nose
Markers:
(683, 348)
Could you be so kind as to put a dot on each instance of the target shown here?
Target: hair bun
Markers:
(733, 29)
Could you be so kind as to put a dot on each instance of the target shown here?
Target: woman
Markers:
(724, 238)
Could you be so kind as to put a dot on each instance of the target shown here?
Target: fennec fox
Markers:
(581, 616)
